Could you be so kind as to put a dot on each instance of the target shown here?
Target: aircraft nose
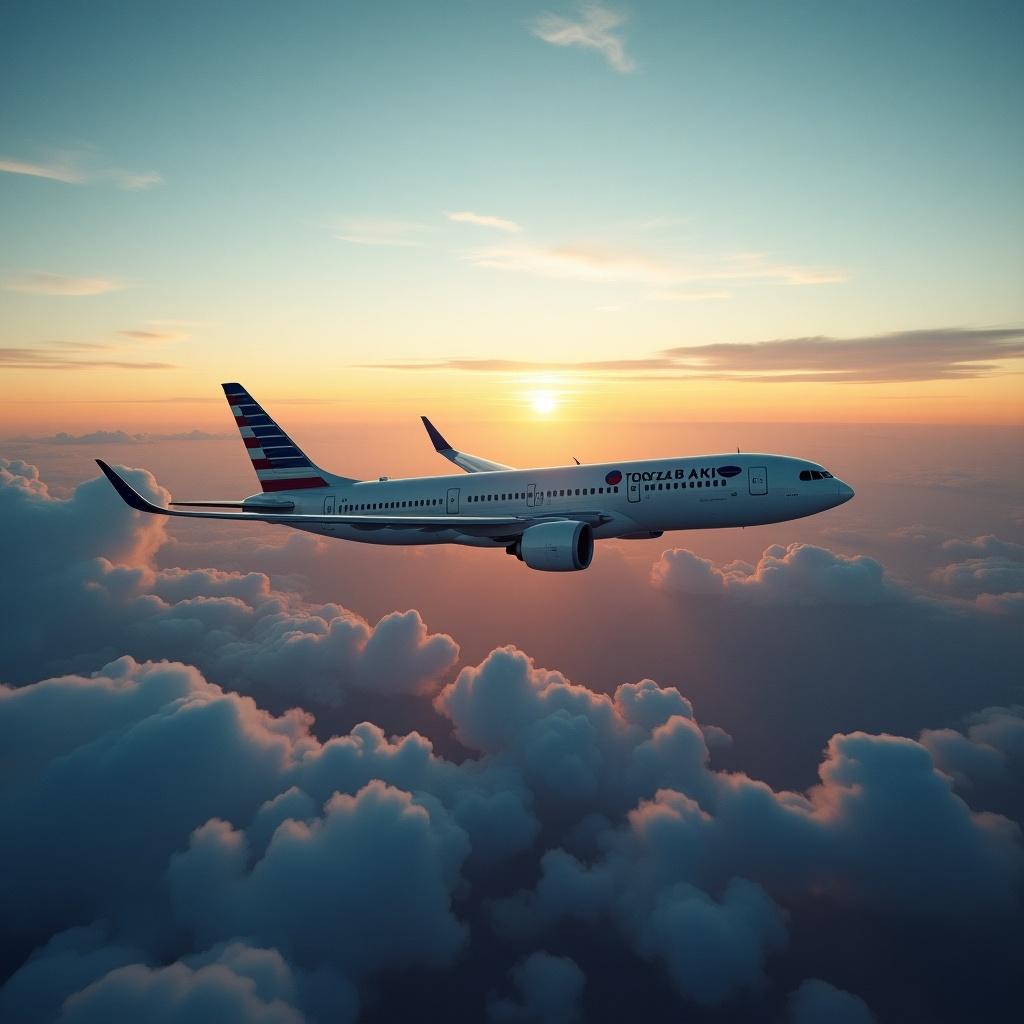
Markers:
(844, 492)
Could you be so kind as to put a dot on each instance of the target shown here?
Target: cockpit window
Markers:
(815, 474)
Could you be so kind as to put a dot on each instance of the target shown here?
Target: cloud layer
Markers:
(181, 849)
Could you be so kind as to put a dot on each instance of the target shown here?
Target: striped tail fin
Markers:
(279, 462)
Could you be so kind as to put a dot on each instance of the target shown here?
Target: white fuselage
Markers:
(639, 499)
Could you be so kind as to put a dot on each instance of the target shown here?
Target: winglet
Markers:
(440, 444)
(129, 495)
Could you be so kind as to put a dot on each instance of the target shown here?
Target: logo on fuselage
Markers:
(729, 470)
(614, 477)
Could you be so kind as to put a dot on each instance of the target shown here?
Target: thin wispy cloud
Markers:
(141, 334)
(121, 437)
(55, 171)
(56, 357)
(947, 353)
(595, 263)
(76, 170)
(380, 231)
(595, 29)
(706, 296)
(41, 282)
(484, 221)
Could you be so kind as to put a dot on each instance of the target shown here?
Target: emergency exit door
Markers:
(758, 480)
(453, 501)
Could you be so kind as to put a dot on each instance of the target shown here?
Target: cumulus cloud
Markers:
(181, 849)
(39, 282)
(797, 574)
(984, 565)
(173, 806)
(595, 29)
(88, 561)
(988, 753)
(549, 987)
(176, 993)
(818, 1002)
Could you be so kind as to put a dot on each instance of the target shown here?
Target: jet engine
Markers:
(564, 546)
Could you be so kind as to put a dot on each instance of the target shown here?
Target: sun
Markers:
(543, 402)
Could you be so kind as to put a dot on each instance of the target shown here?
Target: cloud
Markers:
(88, 559)
(484, 221)
(818, 1002)
(151, 335)
(55, 171)
(341, 858)
(74, 169)
(595, 30)
(585, 262)
(41, 282)
(122, 437)
(550, 988)
(176, 993)
(177, 844)
(797, 574)
(380, 231)
(945, 353)
(55, 357)
(985, 565)
(986, 756)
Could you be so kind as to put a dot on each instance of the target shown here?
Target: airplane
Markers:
(548, 518)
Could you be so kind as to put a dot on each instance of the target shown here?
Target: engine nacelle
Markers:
(564, 546)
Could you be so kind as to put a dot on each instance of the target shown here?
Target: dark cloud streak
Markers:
(945, 353)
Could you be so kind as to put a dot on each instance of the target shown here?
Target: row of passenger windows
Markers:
(814, 474)
(373, 506)
(682, 485)
(376, 506)
(567, 492)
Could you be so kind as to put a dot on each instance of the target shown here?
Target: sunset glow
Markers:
(511, 512)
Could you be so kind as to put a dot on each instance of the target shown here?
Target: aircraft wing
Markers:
(470, 463)
(486, 526)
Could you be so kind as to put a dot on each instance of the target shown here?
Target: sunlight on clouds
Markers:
(40, 282)
(597, 263)
(484, 221)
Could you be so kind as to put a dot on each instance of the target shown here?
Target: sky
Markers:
(770, 774)
(195, 193)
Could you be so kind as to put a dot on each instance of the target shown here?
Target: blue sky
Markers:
(220, 151)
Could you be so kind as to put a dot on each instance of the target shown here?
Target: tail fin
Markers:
(279, 462)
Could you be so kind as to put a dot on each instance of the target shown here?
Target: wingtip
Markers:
(436, 438)
(126, 492)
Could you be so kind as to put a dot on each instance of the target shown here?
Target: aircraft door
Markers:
(531, 495)
(633, 487)
(453, 501)
(329, 505)
(758, 480)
